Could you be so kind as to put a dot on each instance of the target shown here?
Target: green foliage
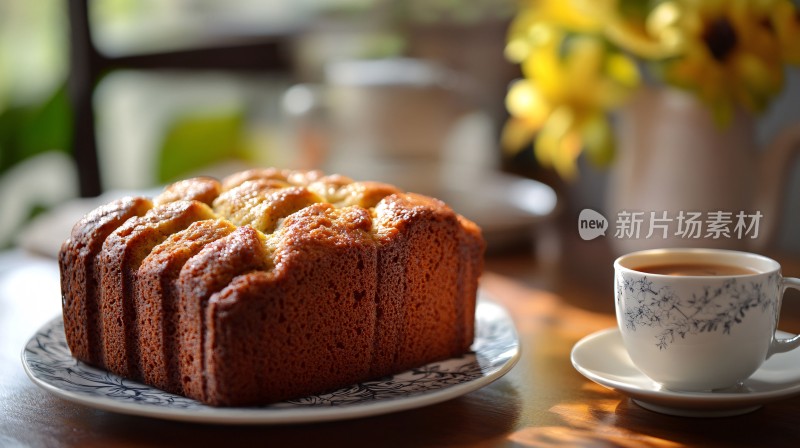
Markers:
(195, 142)
(26, 131)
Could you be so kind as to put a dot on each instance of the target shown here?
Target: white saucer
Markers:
(602, 358)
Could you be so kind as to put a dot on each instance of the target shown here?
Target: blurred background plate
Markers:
(508, 208)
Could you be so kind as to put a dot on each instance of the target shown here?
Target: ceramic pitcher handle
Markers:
(784, 345)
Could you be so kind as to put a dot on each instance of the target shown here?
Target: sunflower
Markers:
(572, 78)
(729, 51)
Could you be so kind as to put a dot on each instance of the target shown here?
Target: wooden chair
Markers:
(268, 53)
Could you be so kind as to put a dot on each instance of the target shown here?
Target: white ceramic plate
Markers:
(49, 364)
(602, 358)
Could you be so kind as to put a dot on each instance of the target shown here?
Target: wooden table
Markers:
(543, 401)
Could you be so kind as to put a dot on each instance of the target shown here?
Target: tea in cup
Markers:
(700, 319)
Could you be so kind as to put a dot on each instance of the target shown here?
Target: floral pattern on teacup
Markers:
(648, 305)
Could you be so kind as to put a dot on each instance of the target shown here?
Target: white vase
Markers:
(674, 161)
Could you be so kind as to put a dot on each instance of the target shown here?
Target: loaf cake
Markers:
(270, 285)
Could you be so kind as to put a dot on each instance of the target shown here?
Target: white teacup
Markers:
(700, 319)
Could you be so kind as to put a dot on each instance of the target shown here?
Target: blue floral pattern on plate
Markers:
(48, 362)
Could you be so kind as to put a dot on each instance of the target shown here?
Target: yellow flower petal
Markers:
(622, 69)
(786, 20)
(598, 139)
(648, 40)
(517, 50)
(525, 100)
(565, 160)
(516, 135)
(547, 145)
(756, 75)
(583, 63)
(546, 70)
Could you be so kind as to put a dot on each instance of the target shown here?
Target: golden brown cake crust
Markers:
(428, 230)
(79, 282)
(270, 284)
(157, 300)
(204, 274)
(123, 252)
(201, 189)
(310, 321)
